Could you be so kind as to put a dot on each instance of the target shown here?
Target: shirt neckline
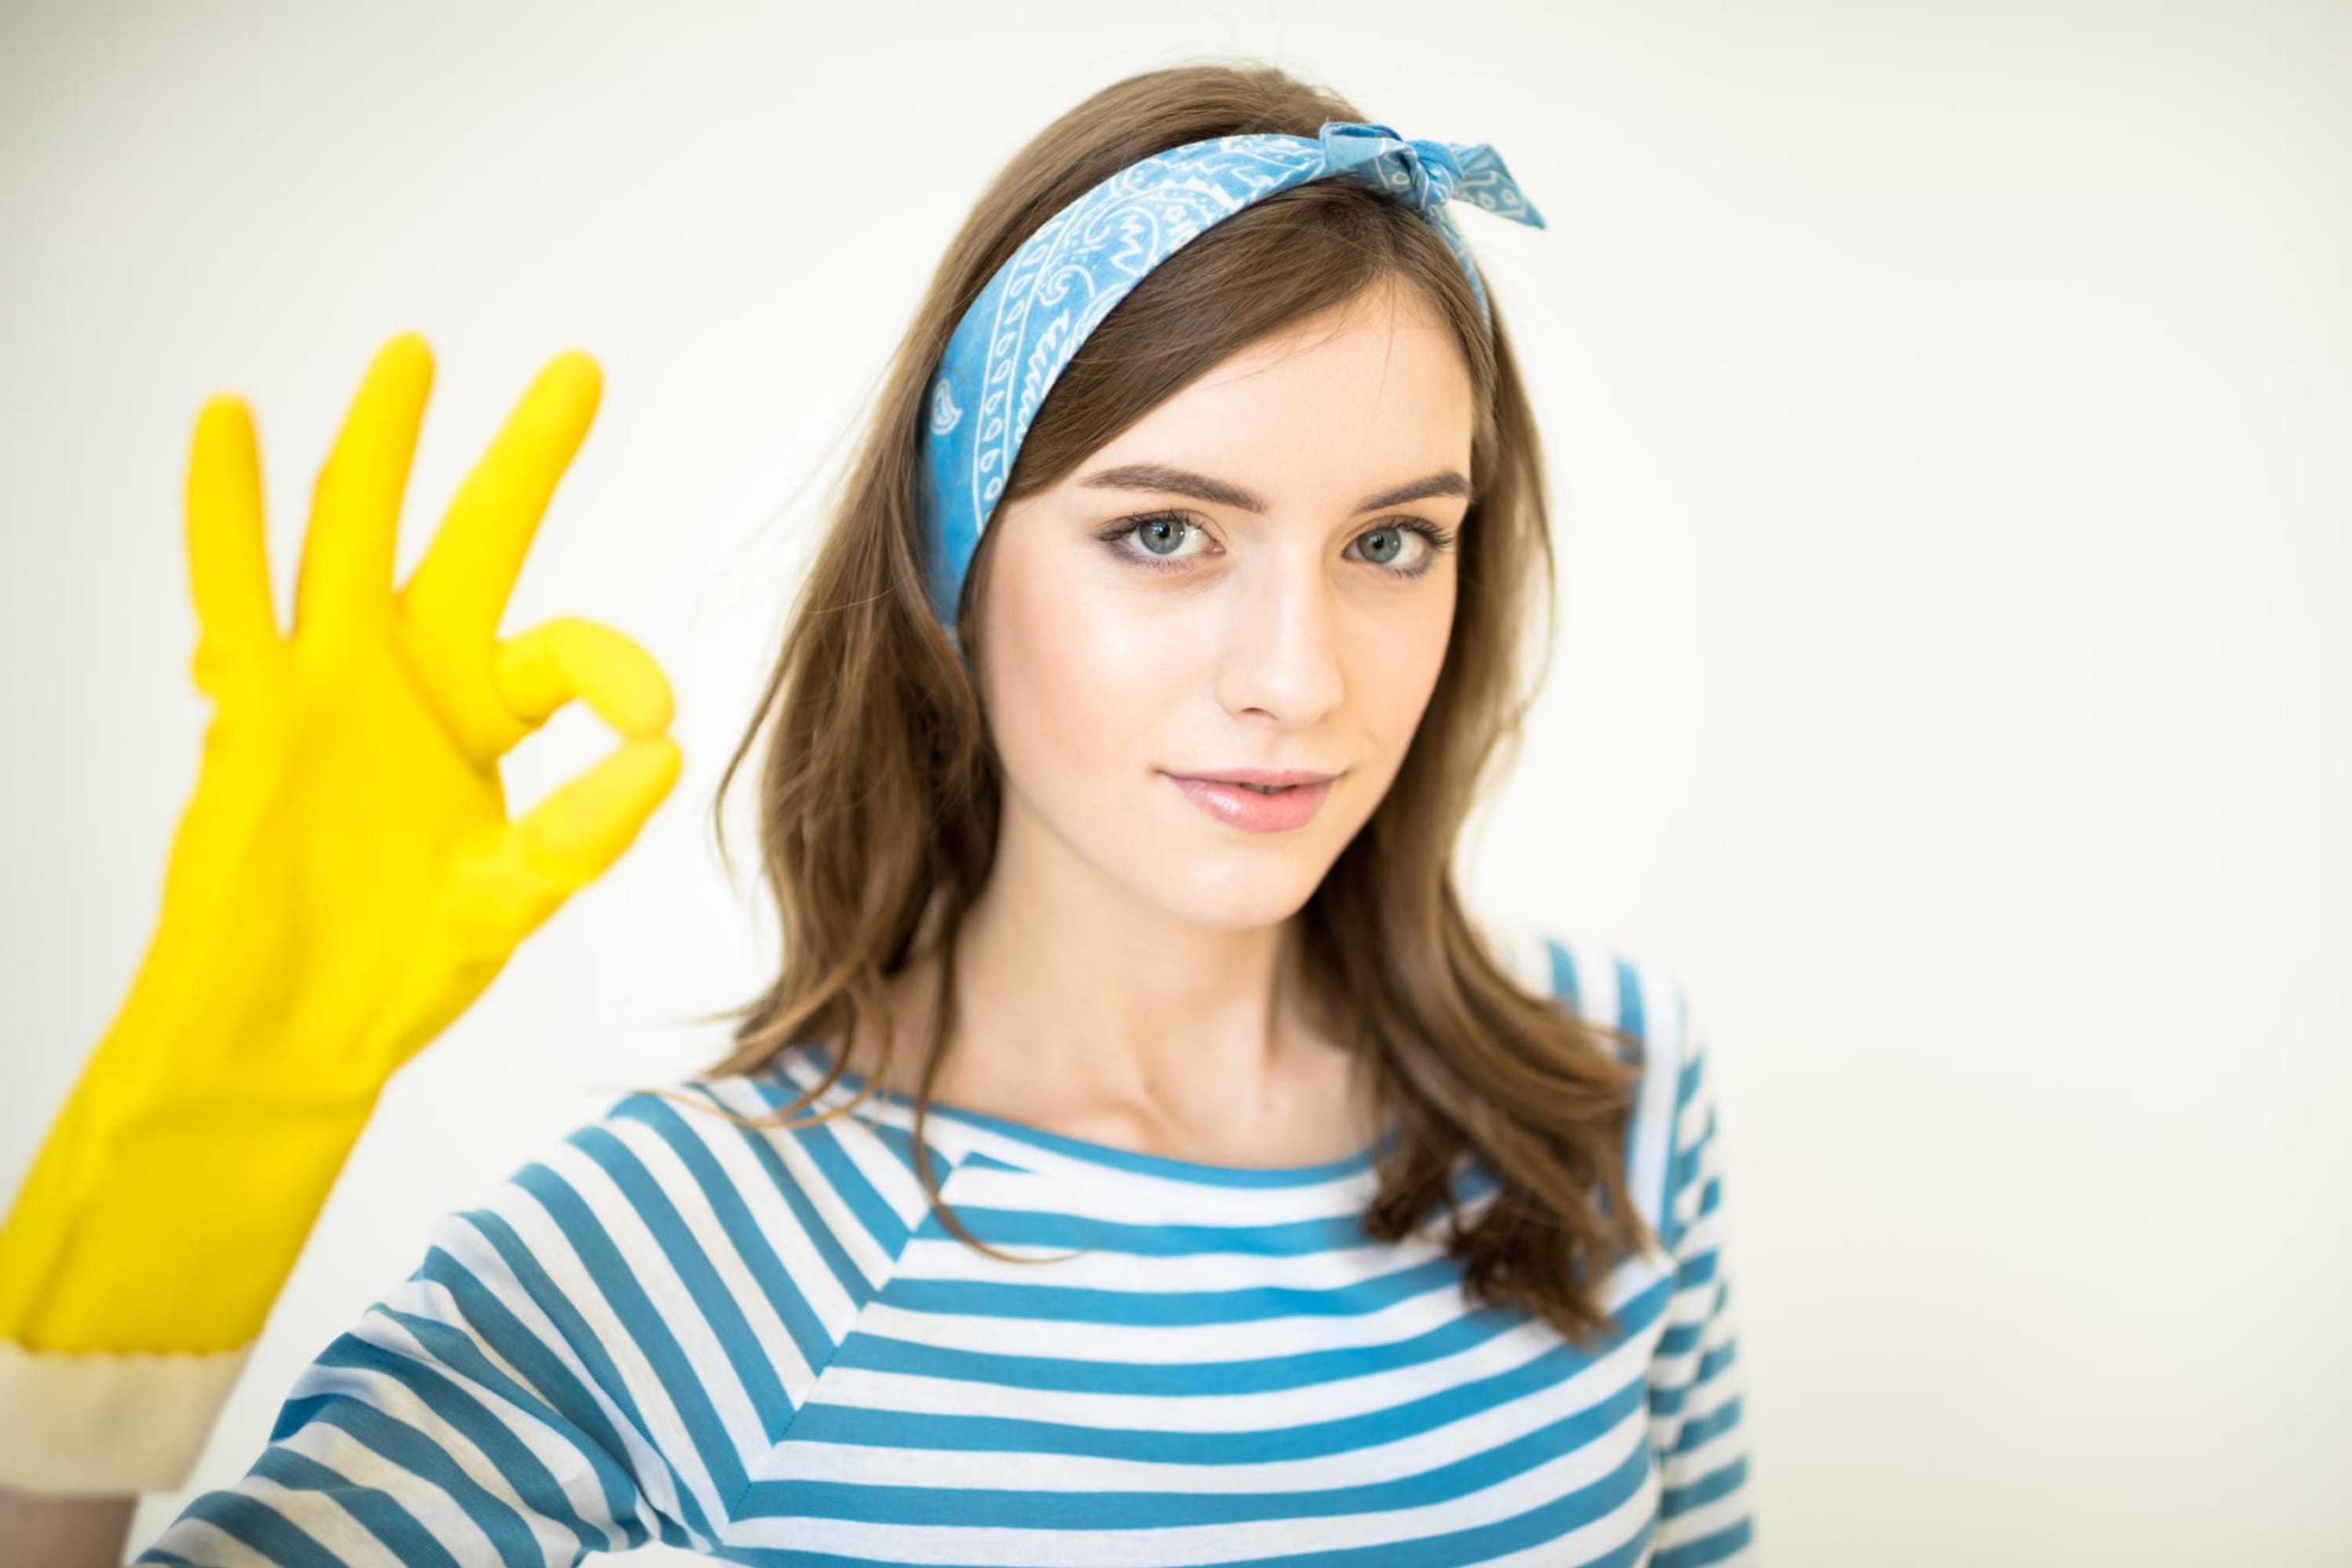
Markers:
(1166, 1167)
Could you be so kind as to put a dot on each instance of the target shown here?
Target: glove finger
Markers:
(459, 590)
(564, 842)
(538, 670)
(344, 584)
(228, 568)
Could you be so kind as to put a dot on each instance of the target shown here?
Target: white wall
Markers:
(1949, 407)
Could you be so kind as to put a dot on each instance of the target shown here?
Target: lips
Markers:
(1252, 809)
(1261, 778)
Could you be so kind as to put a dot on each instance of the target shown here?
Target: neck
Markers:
(1079, 1005)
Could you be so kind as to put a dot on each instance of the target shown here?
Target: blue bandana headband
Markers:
(1028, 323)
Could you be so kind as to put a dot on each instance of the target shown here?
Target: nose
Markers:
(1284, 635)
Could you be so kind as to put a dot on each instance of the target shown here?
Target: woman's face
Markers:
(1265, 596)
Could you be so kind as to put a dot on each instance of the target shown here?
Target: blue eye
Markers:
(1171, 525)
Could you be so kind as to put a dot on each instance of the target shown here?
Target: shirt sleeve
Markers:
(1707, 1511)
(553, 1380)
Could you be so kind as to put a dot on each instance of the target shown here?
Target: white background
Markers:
(1949, 410)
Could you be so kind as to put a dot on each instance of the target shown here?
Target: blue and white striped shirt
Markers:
(762, 1345)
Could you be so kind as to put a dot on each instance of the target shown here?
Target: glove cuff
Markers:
(101, 1421)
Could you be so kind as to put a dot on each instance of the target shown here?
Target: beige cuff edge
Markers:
(101, 1422)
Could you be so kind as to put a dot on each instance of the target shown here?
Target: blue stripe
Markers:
(714, 1303)
(642, 1320)
(751, 1246)
(583, 1342)
(1682, 1160)
(1679, 1338)
(1531, 1529)
(1714, 1548)
(846, 1274)
(417, 1452)
(1289, 1239)
(1169, 1309)
(1712, 1424)
(374, 1507)
(901, 1142)
(249, 1519)
(881, 1222)
(822, 1422)
(1565, 982)
(1669, 1401)
(1632, 1007)
(552, 1392)
(460, 1413)
(997, 1507)
(1192, 1379)
(1713, 1486)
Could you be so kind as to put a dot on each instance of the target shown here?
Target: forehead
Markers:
(1331, 408)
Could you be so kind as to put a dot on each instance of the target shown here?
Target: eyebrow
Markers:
(1166, 478)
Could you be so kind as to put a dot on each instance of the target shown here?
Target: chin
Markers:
(1235, 897)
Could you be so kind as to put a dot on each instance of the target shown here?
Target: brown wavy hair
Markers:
(879, 789)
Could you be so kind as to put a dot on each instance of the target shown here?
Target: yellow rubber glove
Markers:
(344, 882)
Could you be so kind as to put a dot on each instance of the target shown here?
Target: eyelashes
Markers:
(1114, 537)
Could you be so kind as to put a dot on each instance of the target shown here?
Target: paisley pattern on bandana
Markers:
(1028, 323)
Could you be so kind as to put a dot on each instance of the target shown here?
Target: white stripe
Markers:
(651, 1269)
(793, 1250)
(1605, 1378)
(947, 1258)
(1275, 1408)
(780, 1351)
(200, 1541)
(548, 1245)
(1656, 1098)
(1161, 1202)
(361, 1465)
(429, 1299)
(322, 1517)
(1147, 1344)
(1707, 1518)
(1685, 1466)
(777, 1218)
(472, 1250)
(836, 1209)
(1162, 1548)
(1174, 1345)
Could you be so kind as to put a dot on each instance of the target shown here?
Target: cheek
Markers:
(1072, 687)
(1394, 673)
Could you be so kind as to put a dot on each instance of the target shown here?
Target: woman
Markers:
(1141, 1156)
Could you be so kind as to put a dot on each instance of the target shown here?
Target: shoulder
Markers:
(703, 1203)
(1598, 980)
(605, 1349)
(735, 1160)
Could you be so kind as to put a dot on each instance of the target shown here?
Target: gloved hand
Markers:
(344, 883)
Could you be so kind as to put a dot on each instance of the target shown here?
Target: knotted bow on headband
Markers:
(1028, 323)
